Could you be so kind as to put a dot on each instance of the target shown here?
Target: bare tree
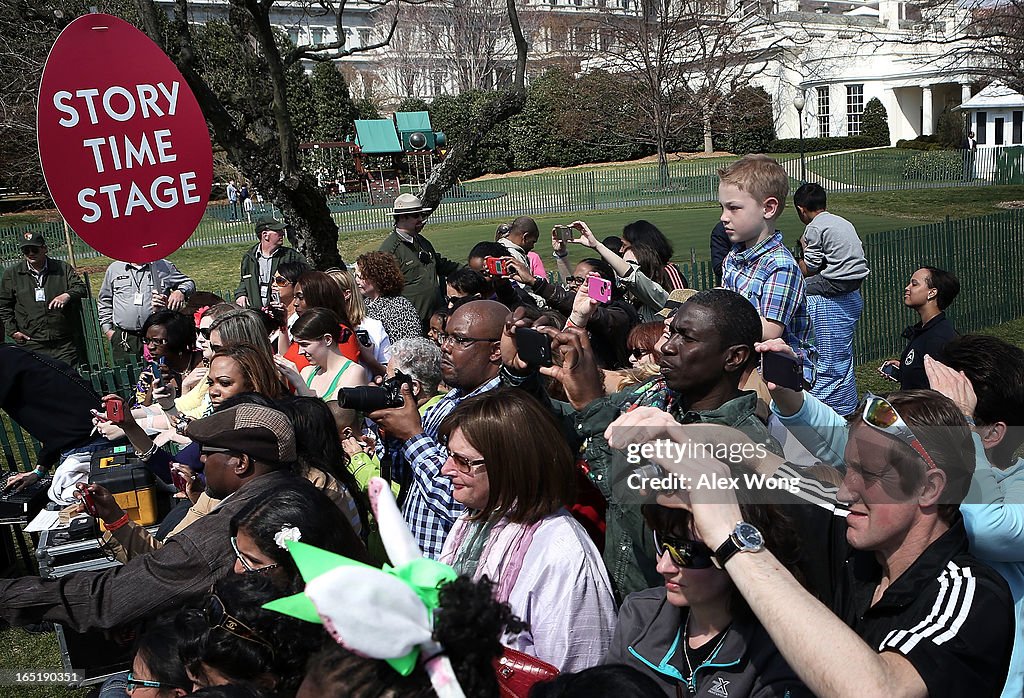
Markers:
(680, 59)
(503, 104)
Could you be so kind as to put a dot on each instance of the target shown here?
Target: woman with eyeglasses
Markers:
(696, 632)
(517, 531)
(296, 511)
(318, 335)
(380, 280)
(169, 340)
(232, 640)
(157, 671)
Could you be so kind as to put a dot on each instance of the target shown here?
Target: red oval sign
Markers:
(122, 141)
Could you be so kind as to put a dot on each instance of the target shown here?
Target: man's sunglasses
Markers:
(686, 554)
(217, 616)
(878, 413)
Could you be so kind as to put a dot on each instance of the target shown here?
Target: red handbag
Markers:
(518, 671)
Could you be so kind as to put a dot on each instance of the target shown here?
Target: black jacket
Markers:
(48, 399)
(930, 339)
(648, 637)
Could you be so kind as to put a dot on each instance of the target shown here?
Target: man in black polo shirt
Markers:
(917, 614)
(929, 292)
(49, 400)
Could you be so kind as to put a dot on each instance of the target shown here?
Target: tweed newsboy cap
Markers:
(262, 433)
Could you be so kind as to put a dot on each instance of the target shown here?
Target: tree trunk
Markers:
(709, 146)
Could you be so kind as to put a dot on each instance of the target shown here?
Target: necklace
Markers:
(686, 653)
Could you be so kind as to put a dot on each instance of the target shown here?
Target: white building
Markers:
(996, 115)
(838, 54)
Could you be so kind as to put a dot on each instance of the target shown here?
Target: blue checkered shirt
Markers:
(768, 276)
(430, 508)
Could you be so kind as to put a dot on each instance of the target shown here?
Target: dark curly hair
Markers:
(276, 662)
(468, 624)
(382, 270)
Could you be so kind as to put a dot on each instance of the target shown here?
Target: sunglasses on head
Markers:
(217, 616)
(879, 414)
(686, 554)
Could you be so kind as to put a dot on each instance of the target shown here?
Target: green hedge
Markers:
(820, 145)
(935, 166)
(922, 143)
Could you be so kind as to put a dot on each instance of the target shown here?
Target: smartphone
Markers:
(87, 499)
(783, 370)
(275, 294)
(565, 233)
(890, 371)
(599, 289)
(364, 338)
(179, 480)
(154, 368)
(496, 266)
(533, 347)
(115, 410)
(99, 415)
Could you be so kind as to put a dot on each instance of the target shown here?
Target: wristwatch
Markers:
(744, 538)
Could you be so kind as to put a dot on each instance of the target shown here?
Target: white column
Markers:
(927, 122)
(965, 93)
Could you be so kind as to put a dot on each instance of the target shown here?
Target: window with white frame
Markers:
(854, 109)
(824, 113)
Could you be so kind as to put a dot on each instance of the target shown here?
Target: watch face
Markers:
(748, 536)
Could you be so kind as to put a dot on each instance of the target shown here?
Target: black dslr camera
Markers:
(370, 398)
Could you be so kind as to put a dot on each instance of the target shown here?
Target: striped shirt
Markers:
(430, 508)
(949, 615)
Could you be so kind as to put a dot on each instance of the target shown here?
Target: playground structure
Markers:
(385, 156)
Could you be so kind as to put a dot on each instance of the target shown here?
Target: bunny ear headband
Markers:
(380, 613)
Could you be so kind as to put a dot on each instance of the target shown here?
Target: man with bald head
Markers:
(470, 361)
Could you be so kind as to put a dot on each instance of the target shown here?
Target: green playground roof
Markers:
(413, 121)
(377, 136)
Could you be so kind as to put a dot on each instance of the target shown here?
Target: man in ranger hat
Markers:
(39, 302)
(423, 268)
(259, 265)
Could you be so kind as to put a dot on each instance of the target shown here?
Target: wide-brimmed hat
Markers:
(409, 203)
(676, 299)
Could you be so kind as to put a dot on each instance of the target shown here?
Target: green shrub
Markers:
(935, 166)
(819, 145)
(919, 144)
(875, 122)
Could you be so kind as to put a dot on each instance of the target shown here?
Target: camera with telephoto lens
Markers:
(370, 398)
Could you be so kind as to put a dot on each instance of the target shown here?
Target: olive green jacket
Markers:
(424, 281)
(21, 312)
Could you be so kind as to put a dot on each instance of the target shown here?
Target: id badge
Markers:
(264, 292)
(41, 295)
(137, 300)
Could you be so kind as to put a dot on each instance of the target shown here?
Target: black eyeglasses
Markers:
(217, 616)
(573, 280)
(245, 562)
(464, 342)
(687, 554)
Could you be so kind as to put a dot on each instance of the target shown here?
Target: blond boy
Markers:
(752, 193)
